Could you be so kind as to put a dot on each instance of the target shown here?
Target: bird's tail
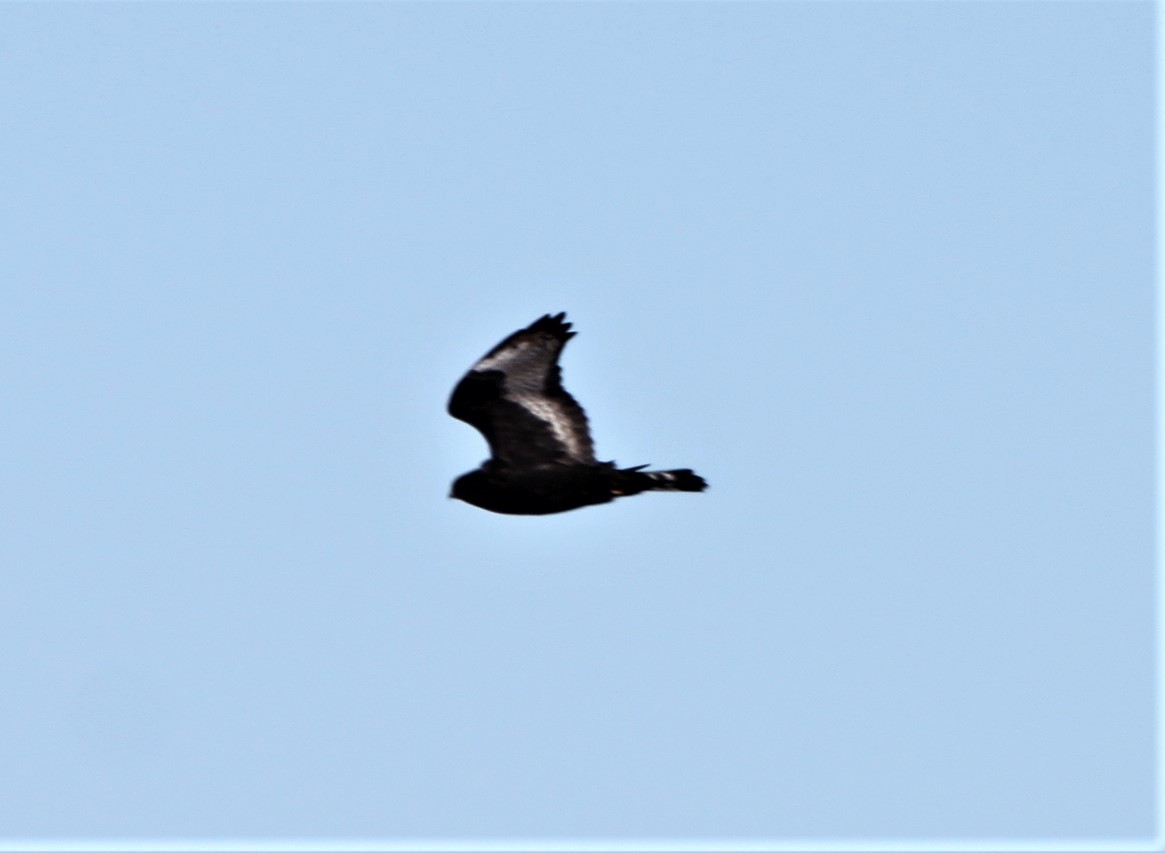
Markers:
(635, 480)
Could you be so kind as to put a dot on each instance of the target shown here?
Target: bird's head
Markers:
(467, 486)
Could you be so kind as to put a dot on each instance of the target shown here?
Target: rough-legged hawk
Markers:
(541, 456)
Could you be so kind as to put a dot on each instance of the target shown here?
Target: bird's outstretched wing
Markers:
(514, 397)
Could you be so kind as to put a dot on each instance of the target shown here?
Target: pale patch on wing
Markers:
(525, 362)
(570, 433)
(499, 360)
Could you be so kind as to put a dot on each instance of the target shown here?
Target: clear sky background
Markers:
(882, 272)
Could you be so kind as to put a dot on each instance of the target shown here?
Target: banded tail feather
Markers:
(637, 480)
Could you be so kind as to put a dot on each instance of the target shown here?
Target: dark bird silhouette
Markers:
(542, 459)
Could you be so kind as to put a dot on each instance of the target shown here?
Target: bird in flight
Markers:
(542, 459)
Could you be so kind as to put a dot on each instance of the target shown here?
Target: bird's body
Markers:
(542, 457)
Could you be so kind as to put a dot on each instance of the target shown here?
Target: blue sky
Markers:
(882, 272)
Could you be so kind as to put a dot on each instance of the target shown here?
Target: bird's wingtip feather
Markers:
(555, 324)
